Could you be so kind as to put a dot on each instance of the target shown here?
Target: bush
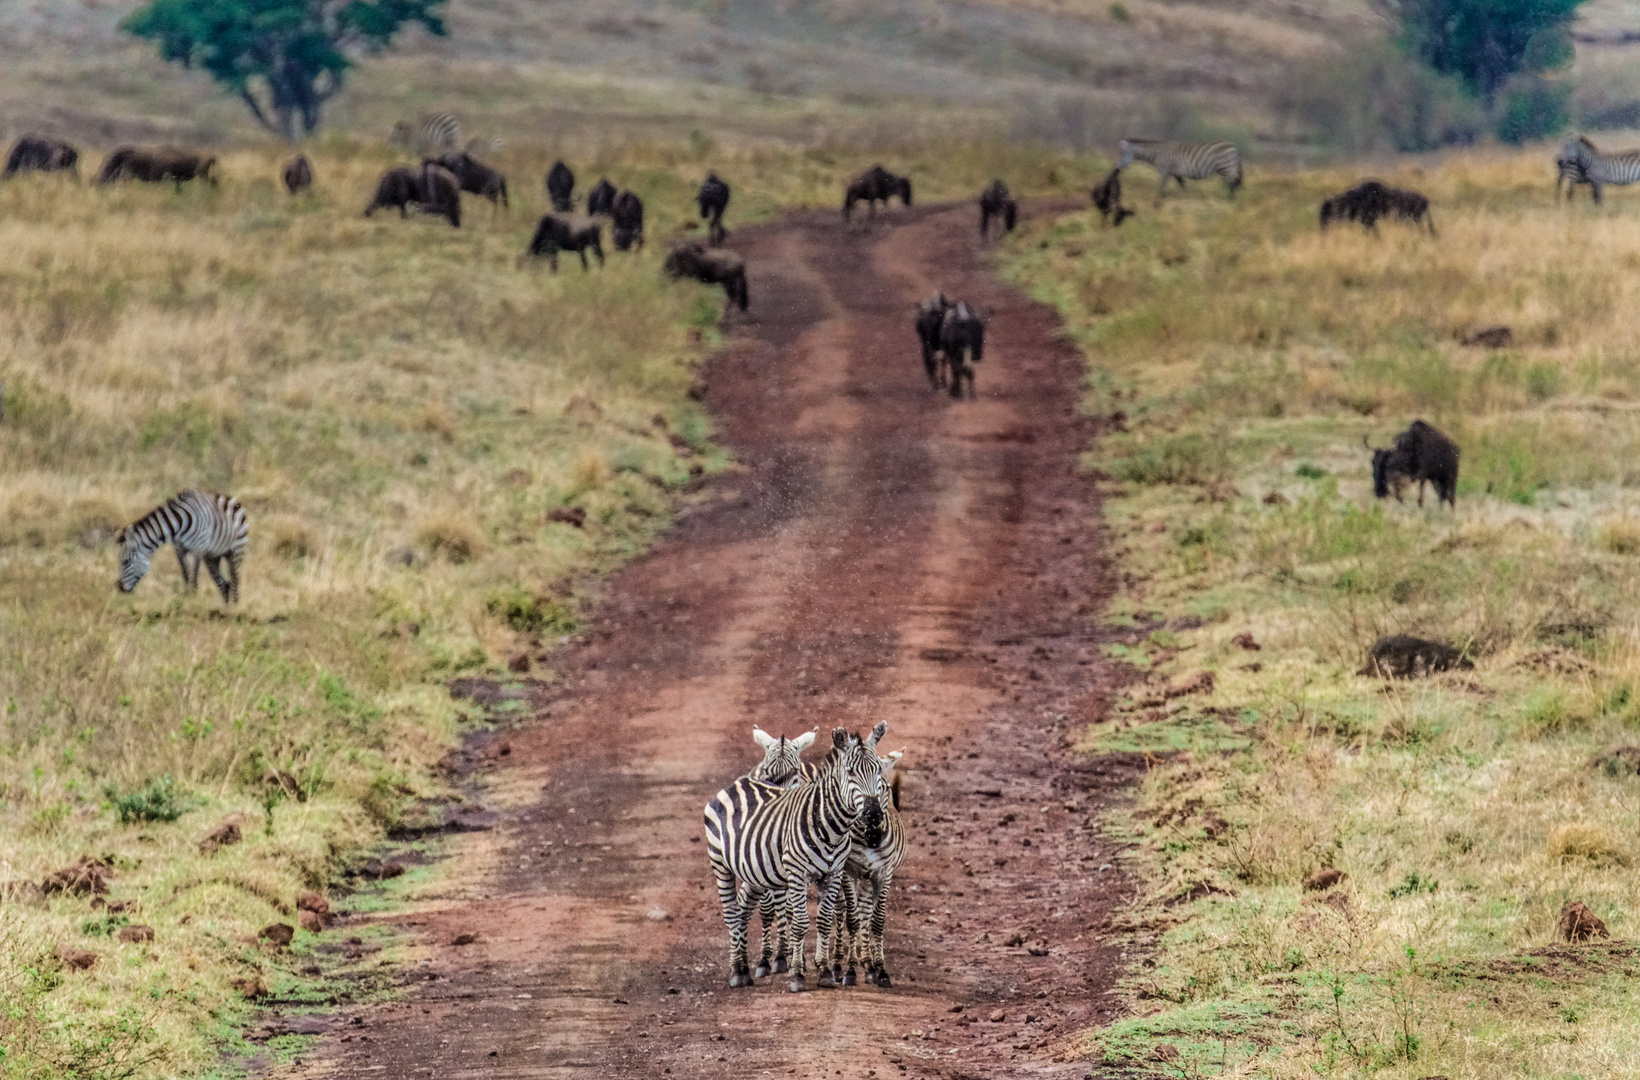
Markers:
(159, 801)
(1532, 109)
(1376, 98)
(528, 613)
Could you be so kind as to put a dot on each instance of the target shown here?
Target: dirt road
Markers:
(886, 554)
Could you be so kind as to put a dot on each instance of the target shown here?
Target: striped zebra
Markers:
(433, 134)
(1583, 163)
(762, 838)
(201, 524)
(1183, 161)
(782, 766)
(875, 854)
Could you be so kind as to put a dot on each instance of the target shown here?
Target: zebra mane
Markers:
(1586, 141)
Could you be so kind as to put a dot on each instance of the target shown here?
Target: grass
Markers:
(1249, 355)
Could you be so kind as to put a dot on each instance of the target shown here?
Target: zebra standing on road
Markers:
(875, 854)
(430, 136)
(783, 766)
(1582, 162)
(201, 524)
(1183, 161)
(763, 838)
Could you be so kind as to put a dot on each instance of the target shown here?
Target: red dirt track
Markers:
(885, 553)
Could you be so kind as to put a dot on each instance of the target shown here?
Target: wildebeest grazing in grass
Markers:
(38, 153)
(561, 187)
(601, 199)
(155, 165)
(694, 260)
(1419, 453)
(432, 188)
(930, 318)
(1107, 198)
(962, 339)
(475, 176)
(1373, 200)
(297, 174)
(875, 185)
(995, 202)
(627, 228)
(713, 198)
(567, 232)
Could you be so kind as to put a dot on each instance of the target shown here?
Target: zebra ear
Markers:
(839, 738)
(119, 537)
(764, 739)
(893, 758)
(876, 733)
(804, 741)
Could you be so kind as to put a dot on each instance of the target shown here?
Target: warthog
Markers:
(713, 198)
(1107, 198)
(432, 188)
(875, 185)
(475, 176)
(601, 198)
(560, 187)
(155, 165)
(567, 232)
(1419, 453)
(1372, 200)
(37, 153)
(962, 338)
(995, 202)
(297, 174)
(930, 318)
(627, 210)
(693, 260)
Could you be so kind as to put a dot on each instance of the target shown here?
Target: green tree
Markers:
(1484, 42)
(284, 58)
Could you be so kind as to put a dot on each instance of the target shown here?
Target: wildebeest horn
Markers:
(1367, 444)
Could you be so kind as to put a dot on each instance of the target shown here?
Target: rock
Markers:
(569, 515)
(1493, 337)
(250, 987)
(519, 664)
(1245, 640)
(657, 914)
(87, 875)
(133, 934)
(226, 833)
(1015, 941)
(277, 934)
(311, 921)
(1578, 924)
(465, 939)
(76, 959)
(314, 902)
(297, 1025)
(955, 1009)
(998, 1017)
(1322, 880)
(1402, 656)
(1276, 498)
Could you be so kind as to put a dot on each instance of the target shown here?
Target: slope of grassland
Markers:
(1248, 354)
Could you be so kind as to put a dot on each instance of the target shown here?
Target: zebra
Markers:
(432, 135)
(1183, 161)
(1585, 164)
(782, 766)
(874, 855)
(763, 838)
(202, 524)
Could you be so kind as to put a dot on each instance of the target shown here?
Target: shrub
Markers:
(1374, 97)
(453, 537)
(1620, 536)
(1592, 843)
(293, 539)
(528, 613)
(159, 801)
(1532, 109)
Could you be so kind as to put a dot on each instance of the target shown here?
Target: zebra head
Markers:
(859, 770)
(135, 558)
(782, 762)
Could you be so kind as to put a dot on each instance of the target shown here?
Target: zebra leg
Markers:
(213, 563)
(879, 916)
(234, 558)
(797, 931)
(851, 920)
(190, 577)
(736, 916)
(826, 928)
(766, 908)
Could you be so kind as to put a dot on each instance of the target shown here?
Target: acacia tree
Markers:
(284, 58)
(1484, 42)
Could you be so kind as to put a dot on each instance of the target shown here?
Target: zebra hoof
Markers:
(781, 967)
(762, 972)
(827, 980)
(883, 980)
(739, 979)
(797, 985)
(850, 978)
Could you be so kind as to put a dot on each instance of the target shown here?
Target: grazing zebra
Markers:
(1569, 173)
(196, 523)
(434, 134)
(1597, 169)
(762, 838)
(873, 857)
(1183, 161)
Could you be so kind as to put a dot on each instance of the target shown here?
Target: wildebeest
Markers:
(297, 174)
(875, 185)
(1107, 198)
(725, 268)
(567, 232)
(995, 202)
(432, 188)
(155, 165)
(601, 198)
(38, 153)
(1419, 453)
(930, 317)
(560, 186)
(627, 229)
(1371, 200)
(962, 339)
(713, 198)
(474, 176)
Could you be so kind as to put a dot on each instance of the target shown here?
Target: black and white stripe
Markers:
(433, 134)
(1583, 163)
(1183, 161)
(761, 838)
(198, 524)
(875, 854)
(782, 766)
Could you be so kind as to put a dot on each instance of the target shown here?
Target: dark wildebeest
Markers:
(713, 198)
(1419, 453)
(725, 268)
(155, 165)
(567, 232)
(875, 185)
(930, 317)
(475, 176)
(561, 187)
(1107, 198)
(37, 153)
(432, 188)
(627, 228)
(995, 202)
(962, 339)
(1372, 200)
(601, 198)
(297, 174)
